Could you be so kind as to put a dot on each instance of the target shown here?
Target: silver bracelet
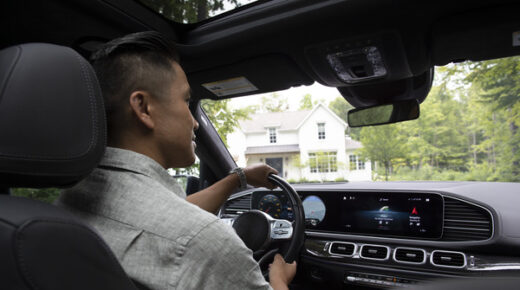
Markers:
(241, 176)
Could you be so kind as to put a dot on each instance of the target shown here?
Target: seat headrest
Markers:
(52, 119)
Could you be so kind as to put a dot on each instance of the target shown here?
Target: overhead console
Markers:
(360, 60)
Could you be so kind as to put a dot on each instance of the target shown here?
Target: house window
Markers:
(272, 135)
(356, 163)
(323, 162)
(321, 130)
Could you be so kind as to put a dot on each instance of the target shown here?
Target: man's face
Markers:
(175, 125)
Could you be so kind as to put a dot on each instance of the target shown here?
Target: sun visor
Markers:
(252, 76)
(411, 88)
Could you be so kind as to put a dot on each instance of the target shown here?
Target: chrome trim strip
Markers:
(495, 267)
(466, 221)
(448, 266)
(343, 255)
(377, 259)
(408, 262)
(466, 229)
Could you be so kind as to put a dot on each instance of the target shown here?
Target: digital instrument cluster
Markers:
(274, 203)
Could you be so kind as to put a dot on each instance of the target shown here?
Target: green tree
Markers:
(499, 82)
(273, 103)
(341, 107)
(306, 103)
(383, 144)
(224, 118)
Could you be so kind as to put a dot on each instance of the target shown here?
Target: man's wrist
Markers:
(278, 284)
(241, 177)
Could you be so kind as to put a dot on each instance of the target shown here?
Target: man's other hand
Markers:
(256, 175)
(281, 273)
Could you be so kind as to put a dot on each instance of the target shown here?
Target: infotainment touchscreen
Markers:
(418, 215)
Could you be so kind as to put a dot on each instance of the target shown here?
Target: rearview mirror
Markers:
(384, 114)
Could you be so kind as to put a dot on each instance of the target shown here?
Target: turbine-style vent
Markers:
(465, 222)
(448, 259)
(409, 256)
(374, 252)
(237, 206)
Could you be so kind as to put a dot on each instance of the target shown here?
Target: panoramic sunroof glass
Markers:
(192, 11)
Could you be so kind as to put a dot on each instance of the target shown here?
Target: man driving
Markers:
(163, 239)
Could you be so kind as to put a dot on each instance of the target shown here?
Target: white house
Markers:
(302, 145)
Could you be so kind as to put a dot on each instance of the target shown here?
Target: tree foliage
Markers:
(187, 11)
(273, 103)
(468, 128)
(341, 107)
(383, 144)
(223, 117)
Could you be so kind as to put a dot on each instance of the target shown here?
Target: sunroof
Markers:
(192, 11)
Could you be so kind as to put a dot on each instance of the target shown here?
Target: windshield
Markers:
(468, 130)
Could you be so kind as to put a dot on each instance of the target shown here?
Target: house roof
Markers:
(289, 120)
(281, 120)
(272, 149)
(352, 144)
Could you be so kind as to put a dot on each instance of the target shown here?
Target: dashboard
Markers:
(378, 235)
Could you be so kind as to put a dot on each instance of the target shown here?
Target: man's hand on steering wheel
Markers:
(256, 175)
(281, 273)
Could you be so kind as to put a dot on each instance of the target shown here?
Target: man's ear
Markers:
(140, 102)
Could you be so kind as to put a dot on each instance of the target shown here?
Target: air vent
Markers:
(465, 222)
(342, 249)
(237, 206)
(410, 255)
(448, 259)
(375, 252)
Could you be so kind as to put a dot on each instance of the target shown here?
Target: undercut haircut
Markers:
(139, 61)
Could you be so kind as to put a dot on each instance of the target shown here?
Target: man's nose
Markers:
(195, 123)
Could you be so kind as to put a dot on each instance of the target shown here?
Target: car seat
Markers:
(52, 134)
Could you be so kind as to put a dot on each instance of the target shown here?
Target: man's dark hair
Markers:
(138, 61)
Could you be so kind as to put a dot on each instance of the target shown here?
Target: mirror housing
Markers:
(389, 92)
(384, 114)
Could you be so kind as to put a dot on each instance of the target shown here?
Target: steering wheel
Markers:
(266, 236)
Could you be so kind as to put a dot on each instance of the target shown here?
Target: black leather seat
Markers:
(52, 133)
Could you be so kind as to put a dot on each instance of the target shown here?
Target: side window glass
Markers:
(42, 194)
